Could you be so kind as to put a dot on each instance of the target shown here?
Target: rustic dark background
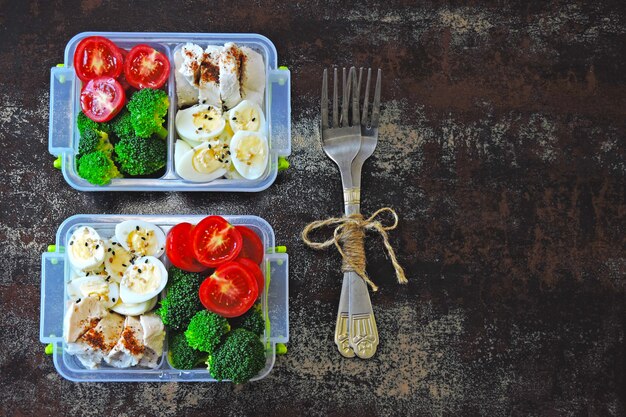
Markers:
(502, 148)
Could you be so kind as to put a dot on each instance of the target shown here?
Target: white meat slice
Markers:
(230, 63)
(150, 359)
(190, 66)
(81, 317)
(129, 349)
(186, 92)
(209, 80)
(153, 332)
(98, 341)
(252, 75)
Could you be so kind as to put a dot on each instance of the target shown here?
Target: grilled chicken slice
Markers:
(186, 92)
(129, 349)
(153, 332)
(98, 341)
(209, 81)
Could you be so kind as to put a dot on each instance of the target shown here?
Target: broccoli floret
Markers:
(140, 156)
(239, 358)
(181, 355)
(252, 321)
(94, 140)
(205, 330)
(122, 125)
(84, 123)
(97, 168)
(148, 108)
(182, 301)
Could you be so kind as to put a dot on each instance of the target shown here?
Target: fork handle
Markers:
(352, 200)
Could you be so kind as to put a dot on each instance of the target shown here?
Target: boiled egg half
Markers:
(85, 249)
(199, 123)
(143, 280)
(140, 238)
(250, 154)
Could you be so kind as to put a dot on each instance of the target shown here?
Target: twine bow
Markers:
(349, 238)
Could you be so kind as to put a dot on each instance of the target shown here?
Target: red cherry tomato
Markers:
(230, 291)
(256, 272)
(252, 245)
(179, 249)
(145, 67)
(102, 98)
(96, 56)
(215, 241)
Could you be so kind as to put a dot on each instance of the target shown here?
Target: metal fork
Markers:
(354, 302)
(342, 142)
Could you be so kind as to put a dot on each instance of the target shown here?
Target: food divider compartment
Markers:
(56, 272)
(65, 105)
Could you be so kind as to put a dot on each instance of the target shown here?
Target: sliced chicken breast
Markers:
(129, 349)
(230, 63)
(82, 316)
(186, 92)
(98, 341)
(209, 81)
(252, 75)
(153, 332)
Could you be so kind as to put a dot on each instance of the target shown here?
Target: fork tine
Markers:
(376, 104)
(345, 103)
(366, 99)
(325, 99)
(355, 98)
(335, 103)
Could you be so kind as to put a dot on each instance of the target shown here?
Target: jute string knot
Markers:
(349, 239)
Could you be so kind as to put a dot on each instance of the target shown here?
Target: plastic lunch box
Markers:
(55, 272)
(65, 105)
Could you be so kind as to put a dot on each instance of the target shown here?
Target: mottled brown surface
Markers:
(502, 148)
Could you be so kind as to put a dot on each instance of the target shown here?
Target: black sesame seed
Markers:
(253, 119)
(78, 301)
(206, 116)
(109, 250)
(124, 265)
(199, 128)
(139, 270)
(143, 238)
(227, 152)
(209, 146)
(97, 246)
(234, 118)
(146, 261)
(85, 243)
(137, 228)
(210, 118)
(113, 299)
(72, 242)
(113, 253)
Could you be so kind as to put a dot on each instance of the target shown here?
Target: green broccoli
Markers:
(84, 123)
(252, 321)
(240, 357)
(140, 156)
(148, 108)
(182, 301)
(181, 355)
(94, 140)
(122, 125)
(97, 168)
(205, 330)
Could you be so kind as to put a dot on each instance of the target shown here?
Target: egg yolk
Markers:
(142, 278)
(206, 120)
(205, 161)
(97, 288)
(250, 148)
(142, 241)
(246, 119)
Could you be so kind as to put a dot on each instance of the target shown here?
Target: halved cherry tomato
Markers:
(96, 56)
(102, 98)
(145, 67)
(178, 248)
(215, 241)
(252, 245)
(256, 272)
(230, 291)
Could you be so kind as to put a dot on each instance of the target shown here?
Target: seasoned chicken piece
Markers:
(129, 349)
(187, 93)
(153, 332)
(230, 65)
(209, 81)
(252, 75)
(190, 66)
(98, 341)
(150, 359)
(81, 317)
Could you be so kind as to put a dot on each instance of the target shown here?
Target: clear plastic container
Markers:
(55, 272)
(65, 105)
